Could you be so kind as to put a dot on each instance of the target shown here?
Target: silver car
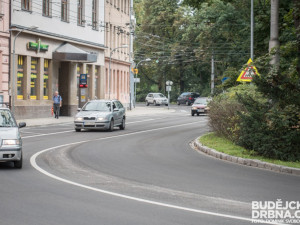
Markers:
(156, 99)
(100, 114)
(10, 139)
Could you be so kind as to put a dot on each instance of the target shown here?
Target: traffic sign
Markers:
(83, 81)
(247, 74)
(137, 80)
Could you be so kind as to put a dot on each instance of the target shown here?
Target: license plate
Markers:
(88, 123)
(200, 110)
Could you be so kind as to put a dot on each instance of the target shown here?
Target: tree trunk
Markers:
(274, 33)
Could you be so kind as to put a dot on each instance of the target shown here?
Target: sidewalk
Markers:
(138, 111)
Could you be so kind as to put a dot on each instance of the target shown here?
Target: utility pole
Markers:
(212, 74)
(274, 31)
(131, 76)
(252, 32)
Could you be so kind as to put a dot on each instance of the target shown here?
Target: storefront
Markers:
(44, 65)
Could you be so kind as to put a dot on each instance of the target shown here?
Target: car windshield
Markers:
(159, 96)
(97, 106)
(202, 101)
(6, 119)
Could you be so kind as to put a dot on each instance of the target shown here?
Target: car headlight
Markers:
(10, 142)
(100, 118)
(78, 118)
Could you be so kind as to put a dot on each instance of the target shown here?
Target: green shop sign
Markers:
(37, 46)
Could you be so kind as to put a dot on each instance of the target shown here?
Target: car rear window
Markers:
(158, 96)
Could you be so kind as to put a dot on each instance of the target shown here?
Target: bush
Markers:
(224, 115)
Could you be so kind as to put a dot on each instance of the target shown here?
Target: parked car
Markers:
(187, 98)
(200, 106)
(156, 99)
(10, 138)
(100, 114)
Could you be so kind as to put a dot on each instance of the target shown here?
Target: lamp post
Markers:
(111, 52)
(13, 66)
(137, 65)
(168, 88)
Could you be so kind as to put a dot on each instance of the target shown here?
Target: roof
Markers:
(68, 52)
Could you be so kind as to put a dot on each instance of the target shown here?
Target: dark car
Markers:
(200, 106)
(10, 138)
(187, 98)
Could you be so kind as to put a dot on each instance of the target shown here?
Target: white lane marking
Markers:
(39, 135)
(38, 168)
(142, 121)
(27, 132)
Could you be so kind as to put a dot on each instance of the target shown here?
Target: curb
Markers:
(246, 162)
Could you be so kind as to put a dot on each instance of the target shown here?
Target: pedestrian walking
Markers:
(57, 103)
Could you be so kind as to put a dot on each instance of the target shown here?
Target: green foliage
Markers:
(225, 110)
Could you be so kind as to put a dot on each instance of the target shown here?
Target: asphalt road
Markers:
(146, 174)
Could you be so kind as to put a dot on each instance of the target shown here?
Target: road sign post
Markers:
(168, 89)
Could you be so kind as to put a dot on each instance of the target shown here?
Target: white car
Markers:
(10, 138)
(156, 99)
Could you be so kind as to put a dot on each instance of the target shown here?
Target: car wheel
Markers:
(198, 114)
(147, 103)
(193, 114)
(122, 126)
(154, 103)
(178, 103)
(166, 104)
(18, 164)
(111, 125)
(77, 130)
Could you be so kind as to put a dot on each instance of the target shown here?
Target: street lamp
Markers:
(137, 65)
(168, 89)
(111, 52)
(13, 65)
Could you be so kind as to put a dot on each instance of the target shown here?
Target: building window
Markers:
(20, 77)
(46, 8)
(80, 13)
(95, 15)
(46, 79)
(33, 78)
(26, 5)
(65, 10)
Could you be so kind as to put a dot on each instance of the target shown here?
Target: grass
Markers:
(224, 145)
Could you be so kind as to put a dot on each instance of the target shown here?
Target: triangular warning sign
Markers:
(247, 74)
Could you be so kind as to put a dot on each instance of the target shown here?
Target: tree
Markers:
(274, 33)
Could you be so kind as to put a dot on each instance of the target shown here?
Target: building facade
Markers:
(4, 52)
(117, 55)
(52, 43)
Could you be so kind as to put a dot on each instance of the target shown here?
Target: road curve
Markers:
(147, 174)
